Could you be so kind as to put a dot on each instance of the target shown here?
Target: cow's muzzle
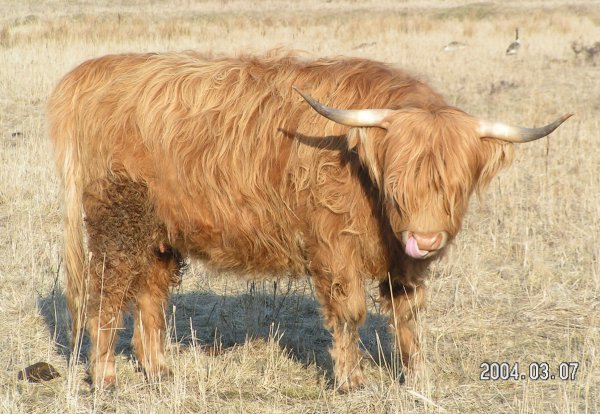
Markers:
(423, 245)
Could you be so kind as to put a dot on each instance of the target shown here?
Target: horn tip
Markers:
(563, 118)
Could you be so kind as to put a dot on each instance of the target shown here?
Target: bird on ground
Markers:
(513, 48)
(454, 45)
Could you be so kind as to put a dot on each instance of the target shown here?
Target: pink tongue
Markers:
(412, 248)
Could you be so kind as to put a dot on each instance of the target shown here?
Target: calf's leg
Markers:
(110, 280)
(103, 326)
(150, 310)
(130, 263)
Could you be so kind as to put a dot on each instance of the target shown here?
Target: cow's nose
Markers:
(421, 245)
(430, 241)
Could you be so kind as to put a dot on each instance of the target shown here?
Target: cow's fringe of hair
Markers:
(452, 161)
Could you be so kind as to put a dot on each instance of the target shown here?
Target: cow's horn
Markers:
(349, 117)
(511, 133)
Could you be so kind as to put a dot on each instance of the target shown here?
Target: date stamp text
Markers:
(534, 371)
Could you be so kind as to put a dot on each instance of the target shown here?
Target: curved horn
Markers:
(349, 117)
(511, 133)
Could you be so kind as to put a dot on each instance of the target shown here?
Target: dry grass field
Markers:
(521, 283)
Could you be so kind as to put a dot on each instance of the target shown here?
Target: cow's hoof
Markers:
(106, 384)
(354, 381)
(161, 373)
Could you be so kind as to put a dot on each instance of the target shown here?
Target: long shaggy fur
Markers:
(235, 168)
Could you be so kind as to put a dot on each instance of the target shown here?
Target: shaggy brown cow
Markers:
(179, 154)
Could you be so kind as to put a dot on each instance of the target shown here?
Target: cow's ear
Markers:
(363, 142)
(495, 155)
(353, 139)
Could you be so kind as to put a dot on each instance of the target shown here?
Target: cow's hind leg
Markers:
(151, 302)
(402, 302)
(344, 309)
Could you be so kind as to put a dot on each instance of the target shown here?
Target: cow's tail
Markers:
(62, 115)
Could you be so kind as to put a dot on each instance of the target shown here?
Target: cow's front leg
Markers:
(402, 302)
(344, 309)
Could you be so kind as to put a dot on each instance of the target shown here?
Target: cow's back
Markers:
(234, 161)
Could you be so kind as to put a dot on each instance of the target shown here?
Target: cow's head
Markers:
(427, 162)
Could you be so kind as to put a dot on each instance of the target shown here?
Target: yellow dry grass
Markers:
(521, 284)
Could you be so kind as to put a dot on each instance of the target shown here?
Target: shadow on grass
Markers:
(221, 322)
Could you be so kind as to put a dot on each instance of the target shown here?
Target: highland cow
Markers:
(175, 155)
